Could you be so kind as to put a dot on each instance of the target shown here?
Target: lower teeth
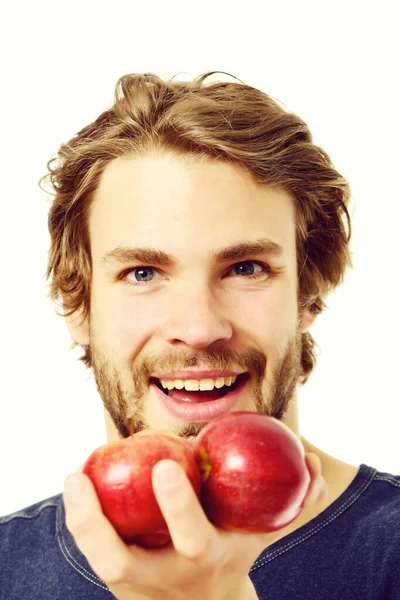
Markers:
(223, 393)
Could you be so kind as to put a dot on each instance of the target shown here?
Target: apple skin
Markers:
(254, 473)
(121, 474)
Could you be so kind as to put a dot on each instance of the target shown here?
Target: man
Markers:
(195, 232)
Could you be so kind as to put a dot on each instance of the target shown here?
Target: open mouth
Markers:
(183, 395)
(200, 406)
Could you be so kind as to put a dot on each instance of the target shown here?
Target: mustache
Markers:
(218, 359)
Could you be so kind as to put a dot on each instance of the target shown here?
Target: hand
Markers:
(203, 561)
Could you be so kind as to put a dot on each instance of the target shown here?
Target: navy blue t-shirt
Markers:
(350, 551)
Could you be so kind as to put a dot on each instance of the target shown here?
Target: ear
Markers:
(78, 328)
(306, 320)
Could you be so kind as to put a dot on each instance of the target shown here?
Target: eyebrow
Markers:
(126, 254)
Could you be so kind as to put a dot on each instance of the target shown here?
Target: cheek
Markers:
(270, 319)
(121, 325)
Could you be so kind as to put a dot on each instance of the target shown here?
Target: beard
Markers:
(124, 397)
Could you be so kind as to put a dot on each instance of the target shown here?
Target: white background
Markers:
(336, 64)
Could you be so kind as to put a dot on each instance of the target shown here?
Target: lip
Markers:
(200, 411)
(197, 375)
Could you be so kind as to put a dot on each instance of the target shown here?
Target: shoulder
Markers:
(39, 558)
(382, 490)
(29, 548)
(37, 518)
(376, 538)
(33, 511)
(381, 499)
(373, 523)
(392, 481)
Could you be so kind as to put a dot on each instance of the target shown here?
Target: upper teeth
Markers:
(192, 385)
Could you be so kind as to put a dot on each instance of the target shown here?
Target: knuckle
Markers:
(193, 552)
(197, 550)
(113, 573)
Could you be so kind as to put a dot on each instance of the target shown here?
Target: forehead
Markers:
(184, 203)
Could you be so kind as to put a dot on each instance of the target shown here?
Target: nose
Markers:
(195, 318)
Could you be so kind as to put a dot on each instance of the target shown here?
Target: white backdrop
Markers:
(333, 63)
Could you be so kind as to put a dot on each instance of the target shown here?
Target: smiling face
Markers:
(194, 269)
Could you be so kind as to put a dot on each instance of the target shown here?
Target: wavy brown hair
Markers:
(229, 121)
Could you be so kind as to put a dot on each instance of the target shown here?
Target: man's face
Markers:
(197, 309)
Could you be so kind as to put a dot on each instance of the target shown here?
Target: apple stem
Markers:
(130, 427)
(204, 463)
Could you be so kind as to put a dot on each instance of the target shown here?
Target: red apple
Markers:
(121, 474)
(254, 473)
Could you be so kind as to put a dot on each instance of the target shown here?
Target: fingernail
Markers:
(168, 476)
(73, 489)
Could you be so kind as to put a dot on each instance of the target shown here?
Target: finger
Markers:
(317, 492)
(94, 535)
(192, 534)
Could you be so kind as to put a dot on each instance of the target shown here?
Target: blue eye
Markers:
(141, 272)
(245, 271)
(137, 276)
